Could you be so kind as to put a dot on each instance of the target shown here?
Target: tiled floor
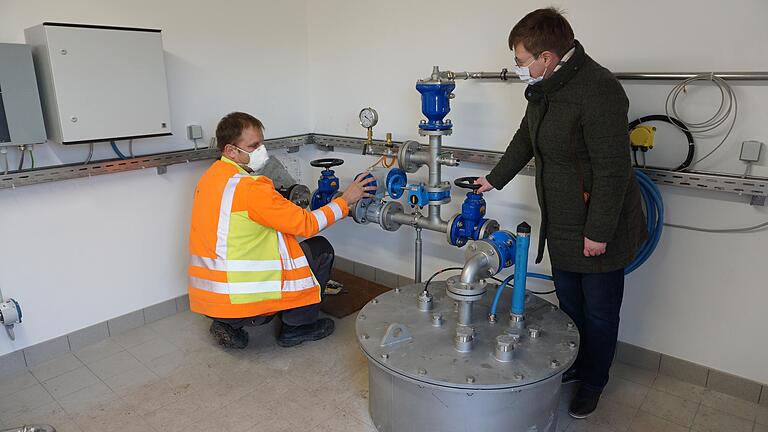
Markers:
(168, 376)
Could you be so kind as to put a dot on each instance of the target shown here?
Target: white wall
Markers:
(701, 297)
(117, 243)
(78, 252)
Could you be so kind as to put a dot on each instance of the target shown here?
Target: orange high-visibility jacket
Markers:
(245, 259)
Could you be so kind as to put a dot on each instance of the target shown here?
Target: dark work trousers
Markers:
(593, 301)
(319, 253)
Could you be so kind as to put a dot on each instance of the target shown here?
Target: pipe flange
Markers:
(359, 211)
(495, 265)
(488, 227)
(451, 221)
(407, 149)
(385, 219)
(460, 291)
(425, 132)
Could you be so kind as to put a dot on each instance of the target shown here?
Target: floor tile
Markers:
(21, 402)
(87, 398)
(124, 382)
(114, 365)
(762, 415)
(152, 349)
(70, 382)
(712, 420)
(55, 367)
(12, 384)
(633, 374)
(729, 404)
(51, 414)
(98, 351)
(670, 407)
(137, 336)
(682, 389)
(645, 422)
(625, 392)
(584, 426)
(612, 415)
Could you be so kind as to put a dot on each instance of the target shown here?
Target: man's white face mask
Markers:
(524, 73)
(257, 158)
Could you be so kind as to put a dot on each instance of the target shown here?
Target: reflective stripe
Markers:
(295, 263)
(235, 265)
(225, 212)
(234, 288)
(337, 213)
(322, 221)
(299, 284)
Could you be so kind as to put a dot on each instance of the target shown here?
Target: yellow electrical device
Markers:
(641, 137)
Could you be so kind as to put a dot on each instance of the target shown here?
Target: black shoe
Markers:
(584, 403)
(228, 336)
(571, 375)
(294, 335)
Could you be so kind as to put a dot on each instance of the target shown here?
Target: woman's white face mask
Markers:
(257, 158)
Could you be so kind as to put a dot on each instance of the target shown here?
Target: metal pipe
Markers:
(475, 268)
(435, 144)
(679, 76)
(31, 428)
(417, 274)
(465, 313)
(417, 220)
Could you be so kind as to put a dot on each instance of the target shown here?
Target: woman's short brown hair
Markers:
(232, 125)
(543, 30)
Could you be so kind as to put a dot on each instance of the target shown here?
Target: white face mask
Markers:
(257, 158)
(524, 73)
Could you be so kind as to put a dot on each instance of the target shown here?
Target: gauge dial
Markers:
(368, 117)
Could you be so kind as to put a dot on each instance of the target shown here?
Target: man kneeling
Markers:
(246, 264)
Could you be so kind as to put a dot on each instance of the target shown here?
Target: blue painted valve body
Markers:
(396, 181)
(435, 104)
(467, 225)
(327, 186)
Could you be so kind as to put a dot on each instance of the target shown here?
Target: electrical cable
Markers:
(674, 122)
(426, 285)
(32, 155)
(5, 158)
(130, 148)
(728, 105)
(749, 229)
(117, 150)
(21, 161)
(90, 155)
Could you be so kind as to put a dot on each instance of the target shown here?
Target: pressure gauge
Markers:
(368, 117)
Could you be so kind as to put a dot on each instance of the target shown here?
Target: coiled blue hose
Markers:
(654, 211)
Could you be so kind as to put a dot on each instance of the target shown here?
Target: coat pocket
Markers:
(565, 242)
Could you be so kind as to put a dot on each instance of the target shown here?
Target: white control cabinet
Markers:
(100, 83)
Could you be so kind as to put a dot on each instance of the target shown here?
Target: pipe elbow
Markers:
(475, 269)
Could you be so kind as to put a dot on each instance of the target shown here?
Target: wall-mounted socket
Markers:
(194, 132)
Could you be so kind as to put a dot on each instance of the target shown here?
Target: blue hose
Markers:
(654, 210)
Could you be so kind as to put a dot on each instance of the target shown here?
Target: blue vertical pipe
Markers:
(521, 268)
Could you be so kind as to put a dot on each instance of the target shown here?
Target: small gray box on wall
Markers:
(21, 117)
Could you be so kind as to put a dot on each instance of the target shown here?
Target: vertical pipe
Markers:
(465, 313)
(521, 269)
(417, 273)
(435, 147)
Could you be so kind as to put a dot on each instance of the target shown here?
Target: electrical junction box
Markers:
(194, 132)
(100, 83)
(750, 151)
(21, 118)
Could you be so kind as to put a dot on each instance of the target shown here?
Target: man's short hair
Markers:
(543, 30)
(232, 125)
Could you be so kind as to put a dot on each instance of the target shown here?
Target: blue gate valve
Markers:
(396, 181)
(327, 184)
(471, 223)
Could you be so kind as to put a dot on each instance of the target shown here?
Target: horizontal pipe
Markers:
(417, 220)
(641, 76)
